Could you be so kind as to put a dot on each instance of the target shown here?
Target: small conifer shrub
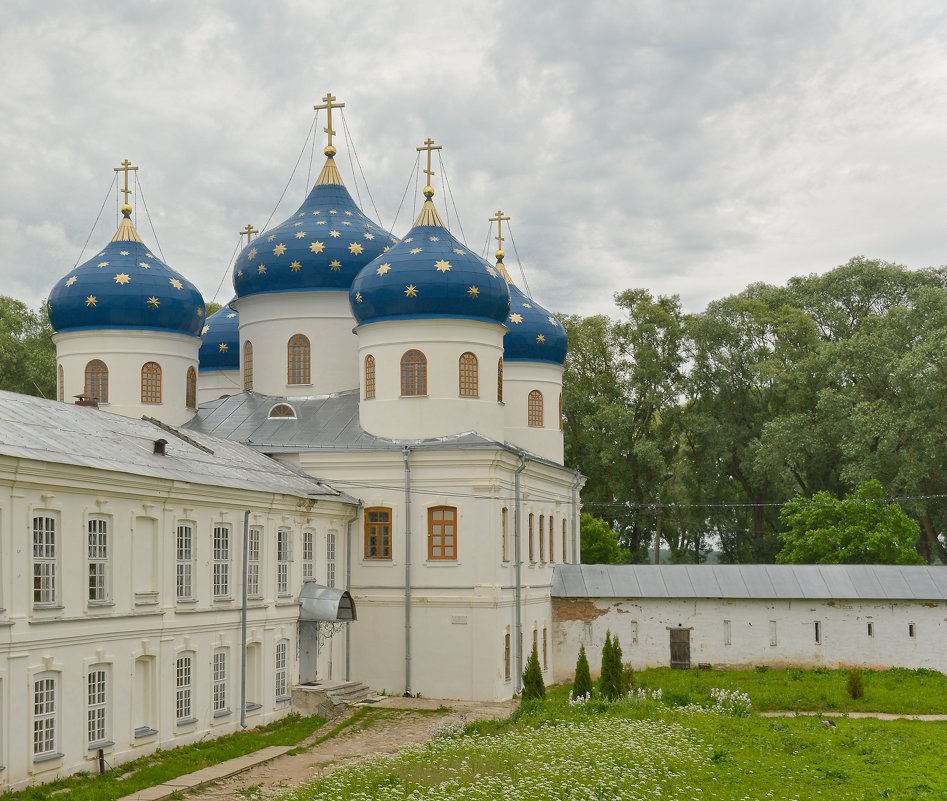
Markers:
(533, 687)
(610, 682)
(582, 685)
(855, 685)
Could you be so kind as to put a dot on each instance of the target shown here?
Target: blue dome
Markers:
(535, 334)
(125, 286)
(322, 246)
(429, 274)
(221, 335)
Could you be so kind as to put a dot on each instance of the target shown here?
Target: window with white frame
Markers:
(44, 714)
(282, 647)
(97, 716)
(330, 559)
(219, 688)
(221, 560)
(98, 559)
(253, 561)
(45, 590)
(183, 687)
(309, 537)
(184, 561)
(284, 555)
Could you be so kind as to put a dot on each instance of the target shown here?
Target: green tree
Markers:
(599, 542)
(610, 681)
(861, 529)
(27, 353)
(582, 684)
(533, 687)
(212, 308)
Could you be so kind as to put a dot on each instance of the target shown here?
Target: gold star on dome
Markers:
(335, 265)
(369, 236)
(473, 292)
(122, 278)
(435, 238)
(232, 314)
(222, 347)
(553, 320)
(358, 297)
(301, 235)
(90, 301)
(516, 318)
(527, 306)
(411, 291)
(320, 222)
(295, 224)
(271, 237)
(176, 284)
(333, 211)
(102, 264)
(386, 249)
(200, 311)
(459, 252)
(295, 266)
(153, 302)
(261, 269)
(314, 213)
(123, 253)
(205, 329)
(442, 266)
(301, 214)
(144, 265)
(239, 273)
(349, 213)
(383, 269)
(492, 271)
(355, 248)
(280, 249)
(334, 234)
(346, 222)
(540, 339)
(71, 281)
(408, 239)
(317, 247)
(251, 255)
(415, 251)
(148, 256)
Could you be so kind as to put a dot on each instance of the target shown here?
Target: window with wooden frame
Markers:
(378, 533)
(369, 377)
(532, 557)
(298, 360)
(248, 365)
(565, 556)
(507, 670)
(442, 532)
(282, 410)
(552, 535)
(500, 381)
(467, 370)
(542, 538)
(61, 389)
(97, 380)
(545, 651)
(534, 409)
(560, 411)
(413, 374)
(190, 392)
(151, 382)
(505, 549)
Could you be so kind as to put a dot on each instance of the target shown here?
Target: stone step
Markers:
(350, 692)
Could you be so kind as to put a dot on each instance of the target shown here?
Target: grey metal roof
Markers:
(840, 582)
(50, 431)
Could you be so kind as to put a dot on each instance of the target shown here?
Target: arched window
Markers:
(97, 380)
(248, 365)
(468, 376)
(61, 388)
(535, 408)
(442, 532)
(282, 410)
(369, 376)
(413, 373)
(190, 399)
(151, 382)
(500, 381)
(297, 359)
(560, 411)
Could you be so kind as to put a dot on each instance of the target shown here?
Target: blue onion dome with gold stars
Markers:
(126, 286)
(221, 335)
(535, 334)
(321, 247)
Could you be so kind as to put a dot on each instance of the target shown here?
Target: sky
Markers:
(690, 148)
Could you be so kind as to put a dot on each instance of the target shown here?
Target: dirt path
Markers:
(386, 727)
(840, 715)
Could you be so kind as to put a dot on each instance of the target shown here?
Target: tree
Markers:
(861, 529)
(582, 684)
(610, 682)
(599, 542)
(212, 308)
(533, 687)
(27, 353)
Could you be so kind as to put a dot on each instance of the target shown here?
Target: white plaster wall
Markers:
(519, 379)
(214, 384)
(641, 626)
(442, 411)
(269, 320)
(124, 352)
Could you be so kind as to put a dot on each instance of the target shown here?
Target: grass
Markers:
(163, 765)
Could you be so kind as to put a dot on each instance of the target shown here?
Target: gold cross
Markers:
(126, 166)
(328, 107)
(429, 146)
(499, 221)
(248, 232)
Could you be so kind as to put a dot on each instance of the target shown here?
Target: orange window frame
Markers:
(298, 360)
(468, 378)
(190, 389)
(442, 532)
(378, 533)
(97, 380)
(151, 382)
(248, 365)
(413, 374)
(369, 377)
(535, 409)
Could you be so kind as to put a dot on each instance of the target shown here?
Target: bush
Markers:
(533, 687)
(855, 686)
(582, 685)
(627, 679)
(611, 678)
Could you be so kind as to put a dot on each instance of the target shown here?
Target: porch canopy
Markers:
(327, 604)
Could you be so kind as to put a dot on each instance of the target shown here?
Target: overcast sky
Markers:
(689, 148)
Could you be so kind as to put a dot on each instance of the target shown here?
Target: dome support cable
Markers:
(351, 143)
(407, 186)
(144, 204)
(312, 153)
(97, 216)
(486, 242)
(292, 174)
(450, 192)
(229, 266)
(509, 229)
(348, 152)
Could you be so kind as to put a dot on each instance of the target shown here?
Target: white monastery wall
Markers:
(519, 379)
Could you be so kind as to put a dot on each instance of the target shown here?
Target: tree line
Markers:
(703, 426)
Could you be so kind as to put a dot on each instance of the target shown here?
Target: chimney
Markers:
(87, 400)
(159, 447)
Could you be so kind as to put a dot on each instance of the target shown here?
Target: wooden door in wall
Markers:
(680, 648)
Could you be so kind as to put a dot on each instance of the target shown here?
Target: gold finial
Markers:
(126, 166)
(126, 209)
(248, 232)
(429, 146)
(329, 151)
(499, 237)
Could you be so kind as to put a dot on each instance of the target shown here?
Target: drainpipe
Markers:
(518, 625)
(407, 572)
(243, 622)
(348, 586)
(575, 519)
